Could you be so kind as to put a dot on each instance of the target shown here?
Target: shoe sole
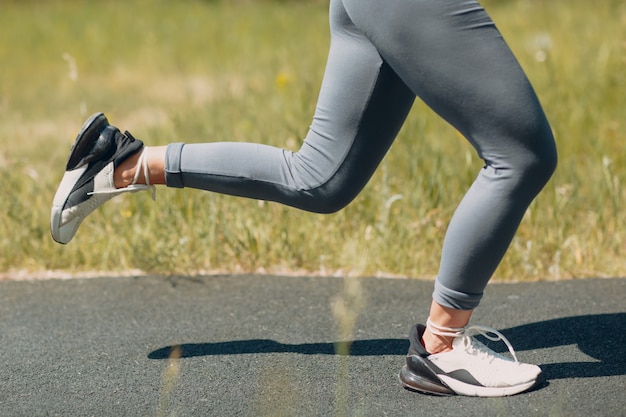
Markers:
(477, 391)
(450, 386)
(85, 140)
(413, 382)
(91, 129)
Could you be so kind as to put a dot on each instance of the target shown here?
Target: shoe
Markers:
(470, 368)
(88, 179)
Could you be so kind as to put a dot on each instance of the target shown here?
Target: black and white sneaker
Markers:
(470, 368)
(88, 180)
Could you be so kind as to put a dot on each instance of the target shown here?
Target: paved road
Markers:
(265, 346)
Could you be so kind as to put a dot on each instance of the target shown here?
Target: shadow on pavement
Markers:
(372, 347)
(598, 336)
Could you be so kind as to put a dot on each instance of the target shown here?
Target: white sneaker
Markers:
(88, 179)
(470, 368)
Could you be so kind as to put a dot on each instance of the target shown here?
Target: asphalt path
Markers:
(268, 346)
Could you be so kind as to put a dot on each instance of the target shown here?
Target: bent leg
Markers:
(453, 57)
(361, 107)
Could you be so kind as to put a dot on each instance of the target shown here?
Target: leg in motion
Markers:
(361, 107)
(453, 57)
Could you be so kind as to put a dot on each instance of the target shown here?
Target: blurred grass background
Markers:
(199, 71)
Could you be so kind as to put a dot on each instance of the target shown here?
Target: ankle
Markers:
(125, 173)
(146, 166)
(438, 338)
(436, 344)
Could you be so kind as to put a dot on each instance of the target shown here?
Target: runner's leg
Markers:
(361, 107)
(452, 56)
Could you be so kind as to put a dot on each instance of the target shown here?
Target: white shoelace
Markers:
(142, 165)
(467, 332)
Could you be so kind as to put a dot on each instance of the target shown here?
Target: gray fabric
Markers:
(382, 54)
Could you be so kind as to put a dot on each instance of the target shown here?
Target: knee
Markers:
(327, 199)
(543, 157)
(533, 165)
(524, 162)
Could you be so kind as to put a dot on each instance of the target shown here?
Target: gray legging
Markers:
(383, 54)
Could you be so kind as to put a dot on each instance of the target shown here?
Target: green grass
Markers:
(201, 70)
